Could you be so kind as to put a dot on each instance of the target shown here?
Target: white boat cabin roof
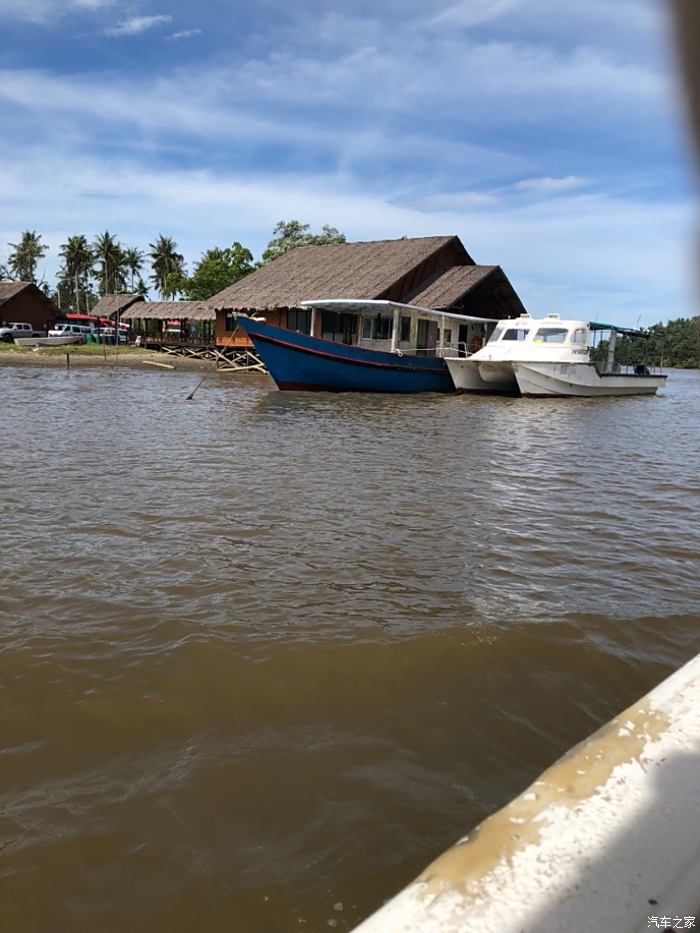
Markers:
(526, 320)
(570, 323)
(373, 305)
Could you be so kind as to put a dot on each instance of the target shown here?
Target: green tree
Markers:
(133, 263)
(288, 234)
(111, 274)
(216, 270)
(141, 288)
(74, 274)
(25, 256)
(675, 344)
(168, 267)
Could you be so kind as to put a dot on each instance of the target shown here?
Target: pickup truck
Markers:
(10, 331)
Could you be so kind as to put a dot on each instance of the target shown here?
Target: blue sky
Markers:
(548, 136)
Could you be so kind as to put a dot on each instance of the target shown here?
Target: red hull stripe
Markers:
(344, 359)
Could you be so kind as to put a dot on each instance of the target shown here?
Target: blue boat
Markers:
(386, 363)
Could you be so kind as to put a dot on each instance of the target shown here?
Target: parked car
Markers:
(10, 331)
(63, 329)
(109, 332)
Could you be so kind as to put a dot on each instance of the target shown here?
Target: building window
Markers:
(377, 328)
(231, 321)
(330, 325)
(299, 320)
(339, 328)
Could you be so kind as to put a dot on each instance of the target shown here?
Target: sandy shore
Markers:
(131, 358)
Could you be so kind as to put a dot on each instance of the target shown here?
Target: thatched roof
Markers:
(170, 310)
(446, 289)
(454, 287)
(9, 290)
(113, 304)
(349, 270)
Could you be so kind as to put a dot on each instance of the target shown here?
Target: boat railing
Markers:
(447, 350)
(631, 369)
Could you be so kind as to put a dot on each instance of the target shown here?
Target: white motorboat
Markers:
(47, 341)
(549, 356)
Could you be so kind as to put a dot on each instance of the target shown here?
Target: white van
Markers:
(65, 329)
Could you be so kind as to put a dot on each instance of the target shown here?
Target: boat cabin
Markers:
(527, 337)
(394, 327)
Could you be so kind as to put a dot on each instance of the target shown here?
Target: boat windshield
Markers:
(551, 335)
(516, 333)
(504, 332)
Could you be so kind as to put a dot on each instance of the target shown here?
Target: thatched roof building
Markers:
(377, 269)
(111, 305)
(26, 303)
(471, 290)
(170, 310)
(435, 272)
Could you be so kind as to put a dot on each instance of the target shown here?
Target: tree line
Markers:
(675, 344)
(104, 266)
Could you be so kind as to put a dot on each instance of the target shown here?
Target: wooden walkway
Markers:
(228, 359)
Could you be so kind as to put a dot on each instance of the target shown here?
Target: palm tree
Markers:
(25, 255)
(74, 274)
(168, 266)
(112, 272)
(133, 263)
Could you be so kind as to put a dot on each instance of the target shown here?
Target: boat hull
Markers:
(46, 341)
(303, 363)
(477, 376)
(580, 380)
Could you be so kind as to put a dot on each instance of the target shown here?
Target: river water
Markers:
(264, 655)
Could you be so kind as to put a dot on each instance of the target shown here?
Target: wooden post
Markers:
(610, 362)
(395, 330)
(67, 360)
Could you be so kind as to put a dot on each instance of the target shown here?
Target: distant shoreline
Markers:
(130, 358)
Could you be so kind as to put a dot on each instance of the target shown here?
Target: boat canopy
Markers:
(378, 305)
(596, 325)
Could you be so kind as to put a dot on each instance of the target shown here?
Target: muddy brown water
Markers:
(264, 655)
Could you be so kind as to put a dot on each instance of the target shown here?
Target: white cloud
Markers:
(43, 12)
(137, 25)
(579, 254)
(451, 201)
(474, 126)
(185, 34)
(628, 16)
(197, 106)
(472, 13)
(548, 185)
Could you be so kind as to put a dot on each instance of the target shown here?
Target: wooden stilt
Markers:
(226, 359)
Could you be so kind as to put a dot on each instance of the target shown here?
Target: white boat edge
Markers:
(467, 376)
(46, 341)
(607, 838)
(581, 380)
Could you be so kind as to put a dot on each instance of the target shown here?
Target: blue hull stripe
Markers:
(298, 361)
